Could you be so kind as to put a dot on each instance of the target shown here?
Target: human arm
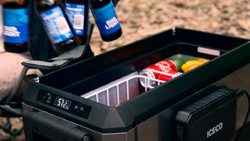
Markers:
(6, 1)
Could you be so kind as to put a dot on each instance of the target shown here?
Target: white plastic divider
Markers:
(134, 78)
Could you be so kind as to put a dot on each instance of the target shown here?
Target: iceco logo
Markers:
(214, 130)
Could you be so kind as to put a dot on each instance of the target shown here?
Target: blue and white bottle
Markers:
(106, 19)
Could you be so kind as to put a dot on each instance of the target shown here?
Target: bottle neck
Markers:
(98, 3)
(77, 1)
(44, 5)
(16, 5)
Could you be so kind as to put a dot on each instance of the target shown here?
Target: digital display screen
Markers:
(61, 102)
(55, 101)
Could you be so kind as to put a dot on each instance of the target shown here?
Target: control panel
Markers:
(63, 103)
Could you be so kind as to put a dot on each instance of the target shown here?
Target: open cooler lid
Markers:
(66, 83)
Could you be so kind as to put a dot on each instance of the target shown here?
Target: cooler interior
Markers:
(114, 92)
(118, 91)
(114, 77)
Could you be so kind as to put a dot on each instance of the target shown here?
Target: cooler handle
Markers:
(43, 125)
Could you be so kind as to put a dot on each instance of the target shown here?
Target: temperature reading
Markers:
(63, 103)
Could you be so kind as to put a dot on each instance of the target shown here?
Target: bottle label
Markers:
(106, 19)
(75, 13)
(15, 25)
(56, 25)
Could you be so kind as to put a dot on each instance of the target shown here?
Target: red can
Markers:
(169, 75)
(164, 70)
(162, 66)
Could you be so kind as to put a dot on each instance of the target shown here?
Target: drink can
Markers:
(162, 66)
(158, 73)
(169, 75)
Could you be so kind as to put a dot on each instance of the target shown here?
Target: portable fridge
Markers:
(102, 99)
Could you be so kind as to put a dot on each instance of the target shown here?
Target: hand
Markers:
(6, 1)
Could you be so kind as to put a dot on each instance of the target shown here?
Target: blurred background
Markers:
(142, 18)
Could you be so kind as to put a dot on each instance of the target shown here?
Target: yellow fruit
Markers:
(189, 65)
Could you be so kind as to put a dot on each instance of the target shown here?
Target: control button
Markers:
(81, 109)
(45, 96)
(48, 101)
(76, 107)
(48, 94)
(49, 97)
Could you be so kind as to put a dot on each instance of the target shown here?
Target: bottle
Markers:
(57, 25)
(106, 19)
(78, 13)
(15, 26)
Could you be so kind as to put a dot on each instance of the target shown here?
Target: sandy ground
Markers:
(142, 18)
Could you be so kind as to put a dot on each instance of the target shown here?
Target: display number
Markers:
(63, 103)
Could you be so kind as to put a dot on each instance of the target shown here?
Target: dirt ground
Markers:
(142, 18)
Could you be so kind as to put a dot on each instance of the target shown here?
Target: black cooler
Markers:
(102, 99)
